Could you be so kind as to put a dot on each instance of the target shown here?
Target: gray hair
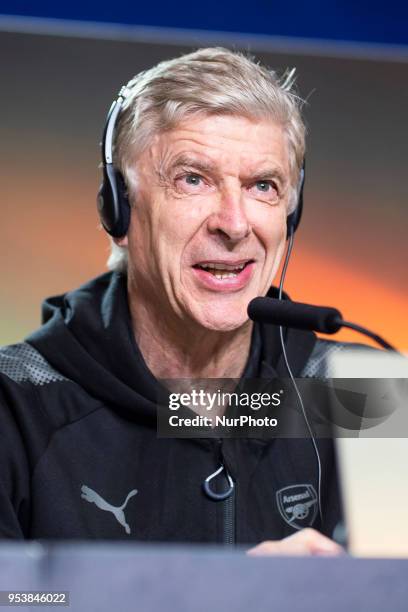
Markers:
(212, 81)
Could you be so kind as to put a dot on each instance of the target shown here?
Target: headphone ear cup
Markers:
(113, 203)
(293, 220)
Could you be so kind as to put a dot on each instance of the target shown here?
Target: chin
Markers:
(224, 326)
(217, 318)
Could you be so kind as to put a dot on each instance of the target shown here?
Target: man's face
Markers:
(208, 225)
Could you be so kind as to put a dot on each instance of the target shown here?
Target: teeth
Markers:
(222, 276)
(215, 266)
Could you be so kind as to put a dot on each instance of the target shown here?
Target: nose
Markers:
(230, 221)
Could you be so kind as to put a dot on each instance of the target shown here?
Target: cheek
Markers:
(144, 235)
(178, 223)
(159, 233)
(272, 233)
(140, 235)
(273, 239)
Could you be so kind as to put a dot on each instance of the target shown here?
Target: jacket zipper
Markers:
(229, 519)
(228, 505)
(225, 498)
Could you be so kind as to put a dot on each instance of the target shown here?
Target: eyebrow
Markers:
(206, 166)
(184, 160)
(269, 173)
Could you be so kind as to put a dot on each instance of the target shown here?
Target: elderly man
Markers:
(207, 154)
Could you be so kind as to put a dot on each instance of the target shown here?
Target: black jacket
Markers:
(79, 454)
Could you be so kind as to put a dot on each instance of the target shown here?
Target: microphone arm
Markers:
(323, 319)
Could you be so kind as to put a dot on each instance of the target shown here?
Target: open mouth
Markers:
(222, 270)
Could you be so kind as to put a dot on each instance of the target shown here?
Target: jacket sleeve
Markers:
(14, 474)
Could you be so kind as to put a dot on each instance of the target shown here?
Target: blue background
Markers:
(372, 22)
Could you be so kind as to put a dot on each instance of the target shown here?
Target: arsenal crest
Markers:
(298, 505)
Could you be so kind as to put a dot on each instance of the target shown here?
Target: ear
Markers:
(122, 241)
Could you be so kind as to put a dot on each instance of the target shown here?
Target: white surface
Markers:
(374, 465)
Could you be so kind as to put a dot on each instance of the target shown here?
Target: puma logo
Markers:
(94, 498)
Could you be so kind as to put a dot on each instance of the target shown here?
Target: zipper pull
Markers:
(218, 496)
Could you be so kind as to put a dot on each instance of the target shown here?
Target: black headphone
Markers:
(113, 203)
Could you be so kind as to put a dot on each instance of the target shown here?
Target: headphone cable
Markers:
(309, 428)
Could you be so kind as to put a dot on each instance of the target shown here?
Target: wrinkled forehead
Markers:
(229, 142)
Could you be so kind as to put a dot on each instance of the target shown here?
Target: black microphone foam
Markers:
(295, 314)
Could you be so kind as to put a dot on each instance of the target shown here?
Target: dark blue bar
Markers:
(371, 22)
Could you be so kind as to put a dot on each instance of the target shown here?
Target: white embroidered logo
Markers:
(298, 505)
(91, 496)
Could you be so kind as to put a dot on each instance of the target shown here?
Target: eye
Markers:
(191, 183)
(266, 190)
(263, 186)
(193, 179)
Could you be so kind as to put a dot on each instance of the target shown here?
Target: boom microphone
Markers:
(286, 313)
